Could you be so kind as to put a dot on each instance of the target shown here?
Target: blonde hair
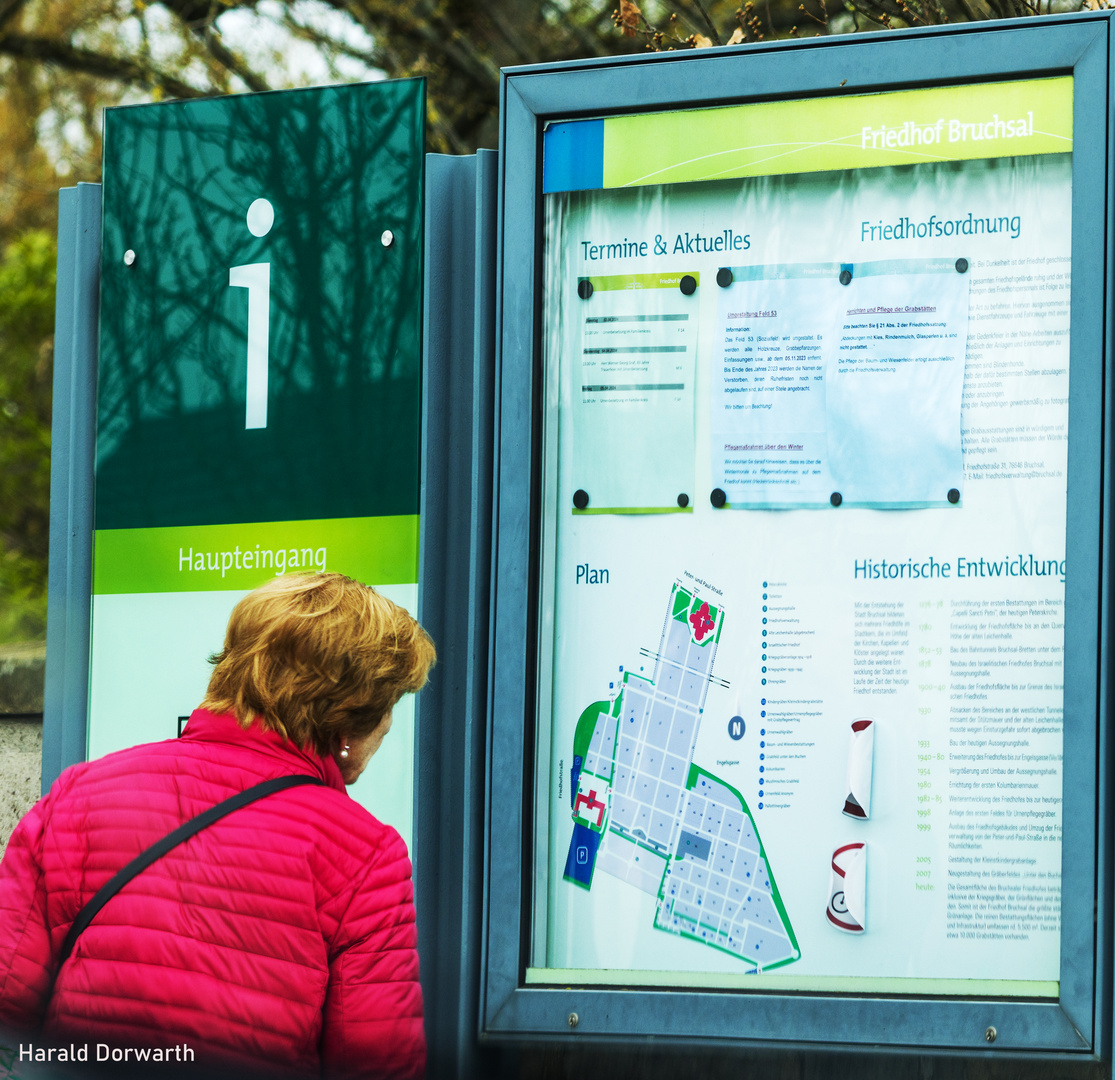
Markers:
(316, 657)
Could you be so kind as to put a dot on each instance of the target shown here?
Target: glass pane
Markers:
(805, 429)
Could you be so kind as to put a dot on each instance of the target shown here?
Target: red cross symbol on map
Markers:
(702, 624)
(593, 804)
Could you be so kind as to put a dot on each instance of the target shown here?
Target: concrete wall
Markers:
(21, 732)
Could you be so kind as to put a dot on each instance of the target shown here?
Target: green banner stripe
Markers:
(947, 123)
(634, 510)
(638, 281)
(828, 984)
(208, 558)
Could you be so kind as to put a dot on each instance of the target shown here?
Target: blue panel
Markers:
(574, 779)
(581, 860)
(573, 156)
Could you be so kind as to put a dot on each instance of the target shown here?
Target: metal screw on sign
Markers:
(990, 1034)
(574, 1020)
(388, 238)
(129, 257)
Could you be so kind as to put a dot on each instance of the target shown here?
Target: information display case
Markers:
(799, 710)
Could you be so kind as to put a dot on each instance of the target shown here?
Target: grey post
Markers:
(453, 602)
(73, 432)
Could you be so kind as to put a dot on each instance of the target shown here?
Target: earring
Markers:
(344, 751)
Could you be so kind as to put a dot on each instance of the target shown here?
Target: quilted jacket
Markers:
(284, 933)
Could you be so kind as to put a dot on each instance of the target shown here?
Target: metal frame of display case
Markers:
(1077, 1025)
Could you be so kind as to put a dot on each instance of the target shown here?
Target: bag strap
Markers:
(157, 850)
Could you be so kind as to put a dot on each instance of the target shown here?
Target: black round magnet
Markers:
(584, 288)
(688, 285)
(961, 266)
(683, 500)
(724, 277)
(580, 498)
(954, 496)
(836, 498)
(845, 277)
(717, 497)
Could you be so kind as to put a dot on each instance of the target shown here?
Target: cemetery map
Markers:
(645, 813)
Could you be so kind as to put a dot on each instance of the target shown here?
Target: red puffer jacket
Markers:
(282, 934)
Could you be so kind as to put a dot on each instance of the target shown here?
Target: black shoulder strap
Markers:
(169, 842)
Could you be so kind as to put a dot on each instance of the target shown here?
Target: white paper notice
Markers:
(894, 384)
(633, 414)
(841, 384)
(768, 391)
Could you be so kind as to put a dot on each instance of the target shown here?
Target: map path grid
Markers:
(645, 813)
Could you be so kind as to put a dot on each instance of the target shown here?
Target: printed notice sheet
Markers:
(633, 412)
(769, 443)
(894, 382)
(841, 384)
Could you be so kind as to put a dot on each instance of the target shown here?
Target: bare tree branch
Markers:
(8, 9)
(702, 16)
(374, 57)
(230, 61)
(200, 17)
(590, 42)
(524, 52)
(88, 62)
(431, 29)
(390, 59)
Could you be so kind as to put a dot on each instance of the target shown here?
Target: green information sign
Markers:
(259, 381)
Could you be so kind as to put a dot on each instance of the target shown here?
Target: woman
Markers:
(283, 933)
